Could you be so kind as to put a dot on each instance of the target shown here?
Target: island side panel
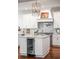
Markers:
(23, 46)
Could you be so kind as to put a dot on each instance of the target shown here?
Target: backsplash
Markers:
(45, 27)
(54, 31)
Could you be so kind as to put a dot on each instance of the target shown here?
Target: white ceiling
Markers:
(21, 1)
(27, 4)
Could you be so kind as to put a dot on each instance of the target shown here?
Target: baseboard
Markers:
(56, 46)
(23, 54)
(42, 57)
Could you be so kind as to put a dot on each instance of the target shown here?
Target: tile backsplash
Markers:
(46, 27)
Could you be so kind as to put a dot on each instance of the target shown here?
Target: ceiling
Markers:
(28, 3)
(24, 5)
(20, 1)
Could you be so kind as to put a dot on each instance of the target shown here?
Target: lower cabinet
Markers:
(23, 46)
(38, 46)
(42, 46)
(56, 39)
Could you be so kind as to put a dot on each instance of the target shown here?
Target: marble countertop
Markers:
(34, 36)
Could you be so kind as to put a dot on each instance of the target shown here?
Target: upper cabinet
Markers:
(20, 21)
(56, 16)
(29, 21)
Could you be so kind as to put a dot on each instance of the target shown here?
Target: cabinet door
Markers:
(56, 19)
(20, 21)
(29, 21)
(23, 46)
(38, 47)
(42, 46)
(56, 40)
(46, 45)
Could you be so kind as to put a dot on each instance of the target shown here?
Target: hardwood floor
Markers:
(53, 54)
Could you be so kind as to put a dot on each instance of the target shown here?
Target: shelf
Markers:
(45, 20)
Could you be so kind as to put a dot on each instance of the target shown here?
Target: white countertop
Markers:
(34, 36)
(19, 35)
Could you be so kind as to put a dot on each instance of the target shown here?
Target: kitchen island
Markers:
(41, 45)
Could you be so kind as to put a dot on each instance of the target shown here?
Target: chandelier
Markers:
(36, 8)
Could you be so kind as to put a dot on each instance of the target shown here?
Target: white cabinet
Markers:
(56, 39)
(38, 47)
(23, 45)
(42, 46)
(20, 21)
(29, 21)
(56, 16)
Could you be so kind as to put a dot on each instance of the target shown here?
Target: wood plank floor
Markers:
(53, 54)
